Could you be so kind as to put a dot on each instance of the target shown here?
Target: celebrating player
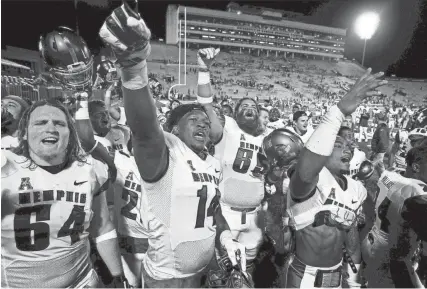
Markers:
(13, 108)
(238, 147)
(51, 194)
(390, 250)
(324, 203)
(181, 180)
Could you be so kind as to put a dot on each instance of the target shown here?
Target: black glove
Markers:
(120, 282)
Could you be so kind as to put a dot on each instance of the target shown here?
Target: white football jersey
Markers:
(390, 235)
(180, 209)
(329, 196)
(9, 142)
(44, 224)
(358, 158)
(242, 186)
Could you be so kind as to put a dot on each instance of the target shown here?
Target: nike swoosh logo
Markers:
(79, 183)
(353, 202)
(216, 171)
(117, 139)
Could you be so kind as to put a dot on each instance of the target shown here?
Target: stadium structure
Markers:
(254, 30)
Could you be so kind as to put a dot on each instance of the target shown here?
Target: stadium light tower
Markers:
(366, 25)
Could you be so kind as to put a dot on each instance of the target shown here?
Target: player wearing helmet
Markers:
(179, 177)
(391, 249)
(324, 203)
(238, 147)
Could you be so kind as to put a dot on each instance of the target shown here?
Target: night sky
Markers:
(398, 47)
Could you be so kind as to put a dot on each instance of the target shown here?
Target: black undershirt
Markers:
(54, 169)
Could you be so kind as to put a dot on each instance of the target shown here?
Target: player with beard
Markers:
(275, 120)
(12, 107)
(181, 207)
(238, 147)
(50, 177)
(324, 203)
(300, 126)
(391, 249)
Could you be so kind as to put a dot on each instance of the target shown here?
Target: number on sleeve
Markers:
(382, 214)
(77, 217)
(243, 160)
(133, 200)
(23, 228)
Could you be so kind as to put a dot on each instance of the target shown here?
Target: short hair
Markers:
(228, 106)
(172, 101)
(298, 114)
(416, 155)
(94, 104)
(178, 112)
(342, 129)
(73, 151)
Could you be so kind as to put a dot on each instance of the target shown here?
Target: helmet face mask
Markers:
(68, 58)
(77, 77)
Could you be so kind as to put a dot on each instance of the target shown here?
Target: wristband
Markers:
(135, 77)
(82, 113)
(204, 78)
(323, 138)
(204, 100)
(94, 147)
(107, 236)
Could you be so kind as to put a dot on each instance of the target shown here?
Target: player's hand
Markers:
(235, 249)
(206, 56)
(363, 88)
(128, 35)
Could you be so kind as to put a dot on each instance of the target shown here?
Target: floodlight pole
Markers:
(364, 48)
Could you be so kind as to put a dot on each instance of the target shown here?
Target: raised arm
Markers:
(205, 58)
(131, 46)
(114, 111)
(321, 144)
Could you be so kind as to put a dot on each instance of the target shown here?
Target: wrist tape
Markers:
(323, 138)
(225, 236)
(203, 79)
(135, 77)
(107, 236)
(83, 112)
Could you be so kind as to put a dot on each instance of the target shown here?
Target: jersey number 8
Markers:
(243, 160)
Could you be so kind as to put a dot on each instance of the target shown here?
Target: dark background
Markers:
(398, 47)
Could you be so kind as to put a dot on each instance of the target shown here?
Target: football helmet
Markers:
(68, 58)
(282, 147)
(107, 71)
(229, 276)
(418, 134)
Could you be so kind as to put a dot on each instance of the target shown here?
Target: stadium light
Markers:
(365, 26)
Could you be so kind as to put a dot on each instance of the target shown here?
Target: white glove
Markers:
(125, 31)
(206, 56)
(232, 246)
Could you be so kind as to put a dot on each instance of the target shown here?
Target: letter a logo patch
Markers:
(25, 184)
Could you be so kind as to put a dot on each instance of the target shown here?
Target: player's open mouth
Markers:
(50, 140)
(249, 113)
(200, 136)
(346, 159)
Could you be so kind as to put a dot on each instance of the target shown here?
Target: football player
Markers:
(180, 178)
(390, 250)
(358, 156)
(238, 147)
(324, 203)
(263, 119)
(12, 107)
(275, 120)
(300, 126)
(53, 198)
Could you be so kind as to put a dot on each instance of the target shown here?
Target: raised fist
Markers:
(126, 33)
(363, 88)
(206, 56)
